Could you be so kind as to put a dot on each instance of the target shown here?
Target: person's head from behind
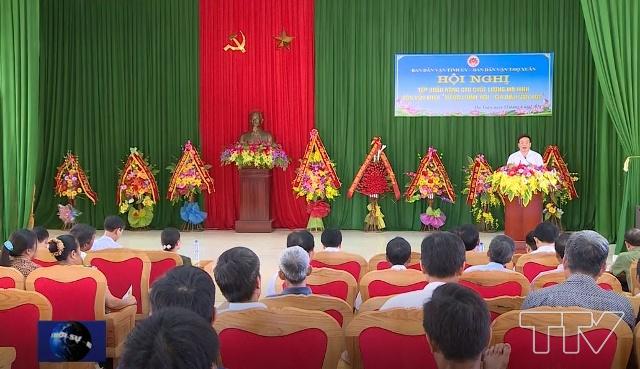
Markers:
(531, 242)
(113, 227)
(331, 238)
(85, 234)
(42, 234)
(561, 245)
(442, 256)
(545, 233)
(586, 253)
(21, 243)
(457, 323)
(65, 249)
(294, 266)
(501, 249)
(170, 239)
(186, 287)
(302, 238)
(469, 235)
(171, 338)
(632, 239)
(398, 251)
(237, 273)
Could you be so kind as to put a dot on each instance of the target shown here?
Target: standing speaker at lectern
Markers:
(525, 155)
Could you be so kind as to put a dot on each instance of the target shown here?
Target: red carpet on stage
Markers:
(277, 81)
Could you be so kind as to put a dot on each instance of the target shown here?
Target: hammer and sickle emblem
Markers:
(239, 46)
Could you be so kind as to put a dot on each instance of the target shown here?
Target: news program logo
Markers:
(72, 341)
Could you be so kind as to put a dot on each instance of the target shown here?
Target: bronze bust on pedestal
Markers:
(257, 135)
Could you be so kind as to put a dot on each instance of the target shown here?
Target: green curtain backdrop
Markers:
(355, 45)
(116, 74)
(614, 33)
(19, 131)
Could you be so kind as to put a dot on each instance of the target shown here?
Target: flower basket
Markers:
(71, 182)
(137, 191)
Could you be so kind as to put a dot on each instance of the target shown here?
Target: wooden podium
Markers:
(520, 220)
(255, 210)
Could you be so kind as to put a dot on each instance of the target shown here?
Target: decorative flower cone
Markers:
(190, 177)
(72, 182)
(374, 179)
(428, 182)
(137, 191)
(316, 180)
(564, 191)
(480, 194)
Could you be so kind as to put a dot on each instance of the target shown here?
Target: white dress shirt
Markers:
(487, 267)
(240, 306)
(358, 301)
(545, 248)
(413, 299)
(532, 158)
(103, 243)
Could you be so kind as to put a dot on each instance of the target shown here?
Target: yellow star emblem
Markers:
(283, 39)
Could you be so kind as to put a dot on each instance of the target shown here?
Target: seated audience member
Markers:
(170, 238)
(442, 258)
(469, 235)
(18, 251)
(113, 228)
(500, 253)
(331, 240)
(172, 338)
(620, 267)
(294, 269)
(545, 235)
(531, 242)
(237, 273)
(86, 235)
(457, 323)
(43, 236)
(66, 250)
(398, 253)
(302, 238)
(560, 246)
(185, 287)
(584, 261)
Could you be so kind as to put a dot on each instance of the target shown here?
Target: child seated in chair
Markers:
(170, 238)
(66, 250)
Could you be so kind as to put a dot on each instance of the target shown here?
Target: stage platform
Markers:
(268, 246)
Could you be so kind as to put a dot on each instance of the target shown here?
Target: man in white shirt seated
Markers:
(113, 228)
(442, 258)
(560, 245)
(525, 155)
(398, 253)
(545, 235)
(500, 253)
(331, 240)
(237, 273)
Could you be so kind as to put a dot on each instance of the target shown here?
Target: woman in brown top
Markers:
(18, 251)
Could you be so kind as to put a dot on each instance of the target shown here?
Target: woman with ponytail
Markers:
(66, 250)
(18, 251)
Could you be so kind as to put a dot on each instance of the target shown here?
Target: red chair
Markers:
(530, 265)
(500, 305)
(20, 312)
(125, 269)
(287, 338)
(353, 264)
(78, 293)
(374, 335)
(390, 282)
(335, 307)
(373, 304)
(491, 284)
(379, 262)
(606, 281)
(472, 258)
(590, 339)
(161, 263)
(11, 278)
(44, 258)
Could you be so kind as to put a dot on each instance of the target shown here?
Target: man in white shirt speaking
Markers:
(525, 155)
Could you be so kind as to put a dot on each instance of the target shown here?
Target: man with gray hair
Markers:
(500, 253)
(294, 269)
(584, 261)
